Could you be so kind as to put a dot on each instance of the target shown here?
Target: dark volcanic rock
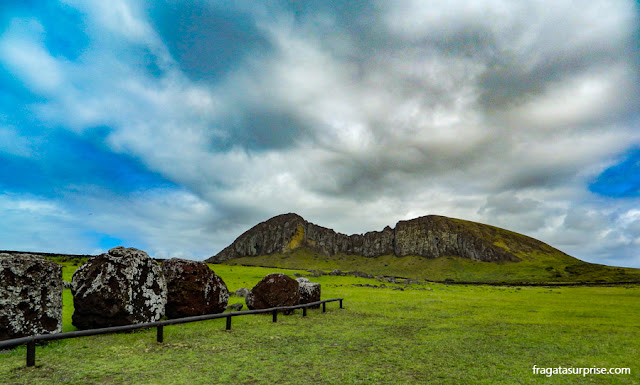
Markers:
(30, 296)
(309, 291)
(376, 243)
(235, 307)
(193, 289)
(287, 232)
(265, 238)
(121, 287)
(429, 237)
(360, 274)
(272, 291)
(434, 236)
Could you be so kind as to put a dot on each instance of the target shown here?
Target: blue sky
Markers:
(174, 126)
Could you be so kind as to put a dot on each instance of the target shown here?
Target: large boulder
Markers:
(122, 287)
(272, 291)
(309, 291)
(30, 296)
(193, 289)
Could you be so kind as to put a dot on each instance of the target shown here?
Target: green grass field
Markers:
(423, 334)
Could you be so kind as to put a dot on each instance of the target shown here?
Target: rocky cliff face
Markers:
(434, 236)
(429, 237)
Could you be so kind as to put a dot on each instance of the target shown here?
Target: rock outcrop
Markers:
(433, 236)
(272, 291)
(309, 291)
(193, 289)
(124, 286)
(242, 292)
(30, 296)
(429, 237)
(234, 307)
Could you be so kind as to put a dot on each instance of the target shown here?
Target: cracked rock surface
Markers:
(122, 287)
(30, 296)
(193, 289)
(309, 291)
(272, 291)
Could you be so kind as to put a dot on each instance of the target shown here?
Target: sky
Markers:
(175, 126)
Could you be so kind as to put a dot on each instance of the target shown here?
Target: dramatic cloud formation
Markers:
(174, 126)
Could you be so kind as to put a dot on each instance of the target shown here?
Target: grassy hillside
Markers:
(456, 246)
(535, 267)
(435, 334)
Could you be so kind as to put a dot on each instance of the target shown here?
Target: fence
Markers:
(159, 325)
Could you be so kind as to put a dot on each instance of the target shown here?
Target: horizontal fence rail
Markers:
(159, 325)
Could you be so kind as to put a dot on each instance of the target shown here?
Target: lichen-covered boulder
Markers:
(242, 292)
(122, 287)
(193, 289)
(272, 291)
(30, 296)
(309, 291)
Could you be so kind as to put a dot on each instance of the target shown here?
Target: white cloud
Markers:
(492, 111)
(165, 222)
(13, 143)
(119, 17)
(23, 52)
(35, 224)
(585, 98)
(531, 32)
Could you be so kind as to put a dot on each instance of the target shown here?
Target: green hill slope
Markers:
(449, 268)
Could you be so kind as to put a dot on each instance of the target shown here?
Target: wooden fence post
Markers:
(31, 353)
(159, 334)
(31, 341)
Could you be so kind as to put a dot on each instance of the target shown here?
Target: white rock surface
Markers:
(309, 291)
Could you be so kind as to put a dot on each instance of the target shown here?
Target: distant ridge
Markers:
(55, 255)
(430, 236)
(59, 255)
(431, 247)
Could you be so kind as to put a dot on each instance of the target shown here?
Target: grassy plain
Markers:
(422, 334)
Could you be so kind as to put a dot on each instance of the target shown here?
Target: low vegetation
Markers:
(386, 334)
(534, 268)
